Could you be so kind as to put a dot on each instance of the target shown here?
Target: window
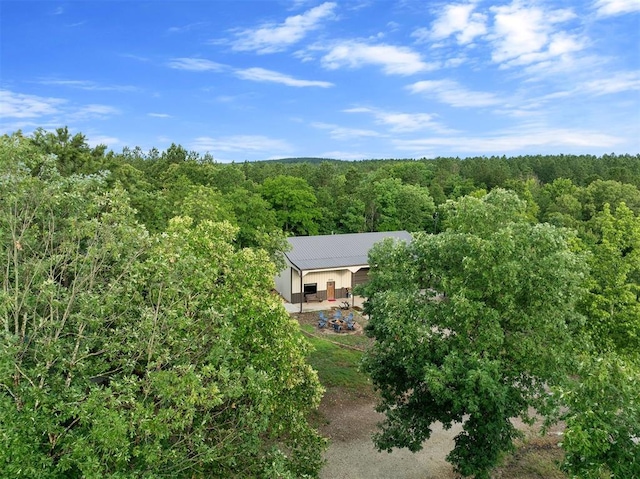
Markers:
(311, 288)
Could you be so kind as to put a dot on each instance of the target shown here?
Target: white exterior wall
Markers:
(341, 277)
(283, 283)
(287, 283)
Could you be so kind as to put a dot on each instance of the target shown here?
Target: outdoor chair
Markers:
(323, 320)
(351, 324)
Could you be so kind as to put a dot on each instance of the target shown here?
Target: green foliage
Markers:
(294, 202)
(72, 153)
(603, 418)
(129, 355)
(471, 326)
(603, 414)
(337, 366)
(613, 303)
(390, 205)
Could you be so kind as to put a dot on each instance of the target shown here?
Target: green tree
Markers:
(600, 192)
(471, 325)
(72, 153)
(149, 203)
(294, 202)
(203, 203)
(603, 415)
(601, 438)
(129, 355)
(391, 205)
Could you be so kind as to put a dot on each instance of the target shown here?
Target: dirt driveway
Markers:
(352, 455)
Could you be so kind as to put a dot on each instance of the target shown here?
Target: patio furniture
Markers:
(351, 324)
(323, 320)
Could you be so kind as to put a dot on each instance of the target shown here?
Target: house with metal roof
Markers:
(327, 267)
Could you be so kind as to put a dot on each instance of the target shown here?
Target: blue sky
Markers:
(252, 80)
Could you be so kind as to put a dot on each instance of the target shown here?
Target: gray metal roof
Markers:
(336, 251)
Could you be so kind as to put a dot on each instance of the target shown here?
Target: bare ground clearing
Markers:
(348, 418)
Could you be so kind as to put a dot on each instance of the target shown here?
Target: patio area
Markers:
(323, 305)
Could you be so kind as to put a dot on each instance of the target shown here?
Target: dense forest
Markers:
(322, 197)
(524, 273)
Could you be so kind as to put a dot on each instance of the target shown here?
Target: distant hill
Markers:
(300, 160)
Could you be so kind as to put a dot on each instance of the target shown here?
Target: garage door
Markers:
(360, 277)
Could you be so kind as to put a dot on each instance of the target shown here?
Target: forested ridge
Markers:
(524, 274)
(300, 197)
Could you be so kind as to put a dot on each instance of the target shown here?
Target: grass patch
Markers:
(359, 341)
(337, 366)
(539, 458)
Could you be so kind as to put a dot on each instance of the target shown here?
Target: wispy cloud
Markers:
(253, 74)
(26, 112)
(263, 75)
(135, 57)
(186, 28)
(87, 85)
(18, 105)
(92, 111)
(249, 144)
(95, 140)
(614, 83)
(159, 115)
(345, 133)
(394, 60)
(271, 38)
(606, 8)
(451, 93)
(195, 65)
(459, 20)
(344, 155)
(537, 139)
(402, 122)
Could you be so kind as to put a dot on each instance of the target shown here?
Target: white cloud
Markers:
(95, 140)
(270, 38)
(401, 122)
(459, 19)
(87, 85)
(93, 111)
(344, 155)
(186, 28)
(195, 65)
(615, 83)
(523, 35)
(249, 144)
(451, 93)
(159, 115)
(394, 60)
(337, 132)
(263, 75)
(18, 105)
(535, 139)
(607, 8)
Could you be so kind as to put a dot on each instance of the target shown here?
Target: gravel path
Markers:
(352, 455)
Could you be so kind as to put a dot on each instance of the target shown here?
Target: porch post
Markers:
(301, 291)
